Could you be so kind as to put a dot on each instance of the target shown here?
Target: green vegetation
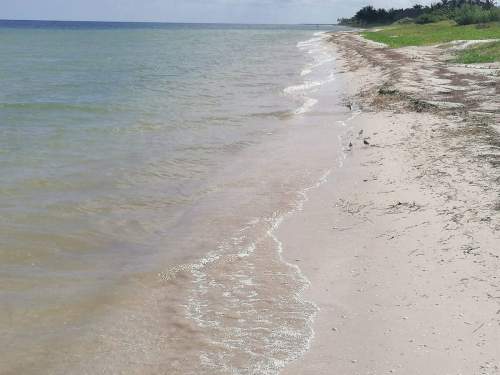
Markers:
(482, 53)
(432, 33)
(441, 22)
(464, 12)
(473, 14)
(431, 18)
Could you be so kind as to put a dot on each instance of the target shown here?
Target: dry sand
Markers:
(402, 244)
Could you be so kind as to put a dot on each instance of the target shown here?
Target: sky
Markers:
(232, 11)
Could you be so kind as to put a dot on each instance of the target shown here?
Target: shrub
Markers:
(473, 14)
(430, 18)
(495, 14)
(404, 21)
(465, 11)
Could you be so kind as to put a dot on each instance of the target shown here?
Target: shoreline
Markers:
(401, 244)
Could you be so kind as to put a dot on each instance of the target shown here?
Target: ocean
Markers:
(143, 170)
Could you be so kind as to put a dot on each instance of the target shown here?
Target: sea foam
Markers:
(321, 54)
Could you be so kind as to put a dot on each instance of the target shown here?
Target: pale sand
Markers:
(402, 244)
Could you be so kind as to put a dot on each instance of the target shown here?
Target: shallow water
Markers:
(143, 171)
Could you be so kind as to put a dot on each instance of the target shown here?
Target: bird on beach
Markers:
(350, 144)
(349, 105)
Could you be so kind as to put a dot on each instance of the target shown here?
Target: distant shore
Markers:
(403, 241)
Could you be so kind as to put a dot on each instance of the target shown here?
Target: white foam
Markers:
(277, 338)
(307, 106)
(308, 85)
(277, 221)
(299, 92)
(307, 43)
(321, 55)
(305, 72)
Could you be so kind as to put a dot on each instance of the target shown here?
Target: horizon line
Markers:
(167, 22)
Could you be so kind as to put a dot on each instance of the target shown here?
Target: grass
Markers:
(433, 33)
(482, 53)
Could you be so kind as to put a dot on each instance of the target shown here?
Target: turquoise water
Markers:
(122, 148)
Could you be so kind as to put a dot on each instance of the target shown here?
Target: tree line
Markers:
(444, 9)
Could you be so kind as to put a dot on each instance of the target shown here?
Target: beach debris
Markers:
(419, 106)
(361, 132)
(412, 252)
(341, 228)
(334, 329)
(350, 144)
(365, 141)
(410, 206)
(478, 328)
(386, 90)
(469, 250)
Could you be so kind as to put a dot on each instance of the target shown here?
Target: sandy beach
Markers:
(402, 244)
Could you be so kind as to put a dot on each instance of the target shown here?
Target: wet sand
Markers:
(402, 244)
